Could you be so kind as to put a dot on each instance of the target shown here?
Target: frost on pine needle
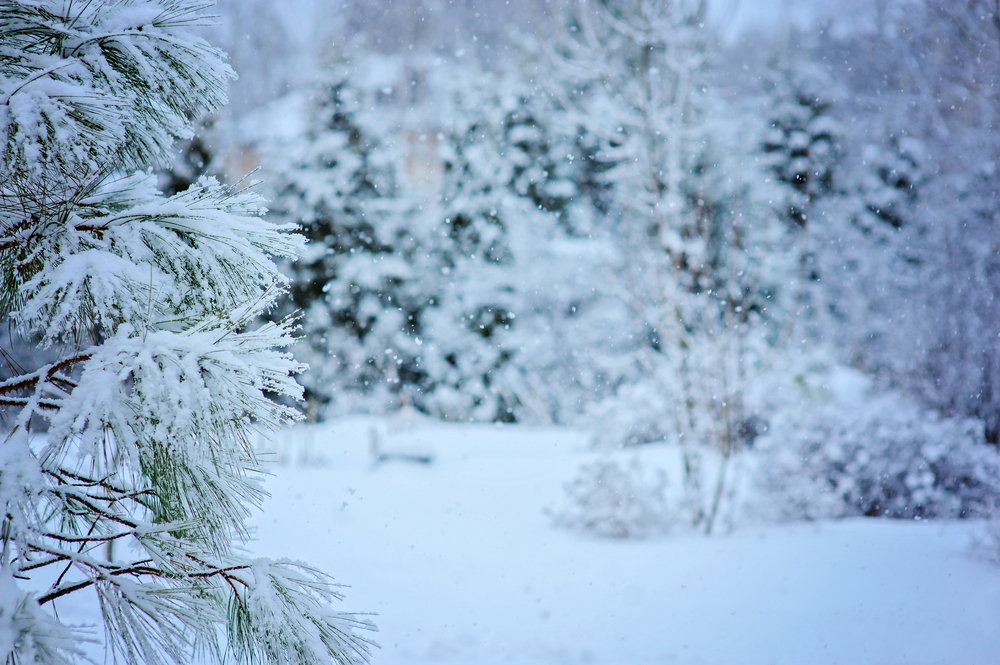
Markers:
(149, 303)
(268, 623)
(37, 635)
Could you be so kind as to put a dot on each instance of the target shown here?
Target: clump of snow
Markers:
(29, 632)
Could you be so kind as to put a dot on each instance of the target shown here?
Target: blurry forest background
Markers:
(766, 233)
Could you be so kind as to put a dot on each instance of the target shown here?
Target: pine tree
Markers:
(476, 294)
(551, 165)
(141, 486)
(516, 306)
(803, 146)
(568, 323)
(803, 142)
(443, 301)
(872, 234)
(358, 284)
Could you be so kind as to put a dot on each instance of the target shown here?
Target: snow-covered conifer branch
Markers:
(162, 376)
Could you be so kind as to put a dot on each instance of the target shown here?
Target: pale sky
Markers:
(737, 17)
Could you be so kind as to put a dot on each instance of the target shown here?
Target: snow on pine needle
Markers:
(82, 78)
(162, 374)
(137, 255)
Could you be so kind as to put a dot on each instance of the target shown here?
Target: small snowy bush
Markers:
(610, 500)
(882, 457)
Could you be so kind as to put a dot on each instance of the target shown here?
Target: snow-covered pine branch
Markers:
(146, 474)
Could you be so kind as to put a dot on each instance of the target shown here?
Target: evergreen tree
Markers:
(141, 487)
(476, 299)
(872, 255)
(551, 164)
(358, 284)
(443, 301)
(518, 304)
(803, 142)
(568, 333)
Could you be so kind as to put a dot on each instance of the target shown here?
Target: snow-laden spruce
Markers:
(456, 301)
(359, 283)
(142, 484)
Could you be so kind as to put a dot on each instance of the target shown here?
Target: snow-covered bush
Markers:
(709, 270)
(140, 490)
(883, 456)
(611, 500)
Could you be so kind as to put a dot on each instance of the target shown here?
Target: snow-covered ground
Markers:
(462, 565)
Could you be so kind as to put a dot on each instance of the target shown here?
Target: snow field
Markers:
(462, 565)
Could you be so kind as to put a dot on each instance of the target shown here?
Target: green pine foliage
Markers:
(139, 491)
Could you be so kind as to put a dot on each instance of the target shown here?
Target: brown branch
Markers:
(23, 401)
(58, 593)
(66, 364)
(33, 379)
(232, 586)
(221, 571)
(102, 573)
(94, 228)
(85, 481)
(116, 494)
(139, 569)
(56, 558)
(86, 539)
(63, 382)
(94, 509)
(218, 570)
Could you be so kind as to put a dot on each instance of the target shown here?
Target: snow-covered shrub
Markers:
(884, 456)
(986, 541)
(611, 500)
(709, 273)
(632, 416)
